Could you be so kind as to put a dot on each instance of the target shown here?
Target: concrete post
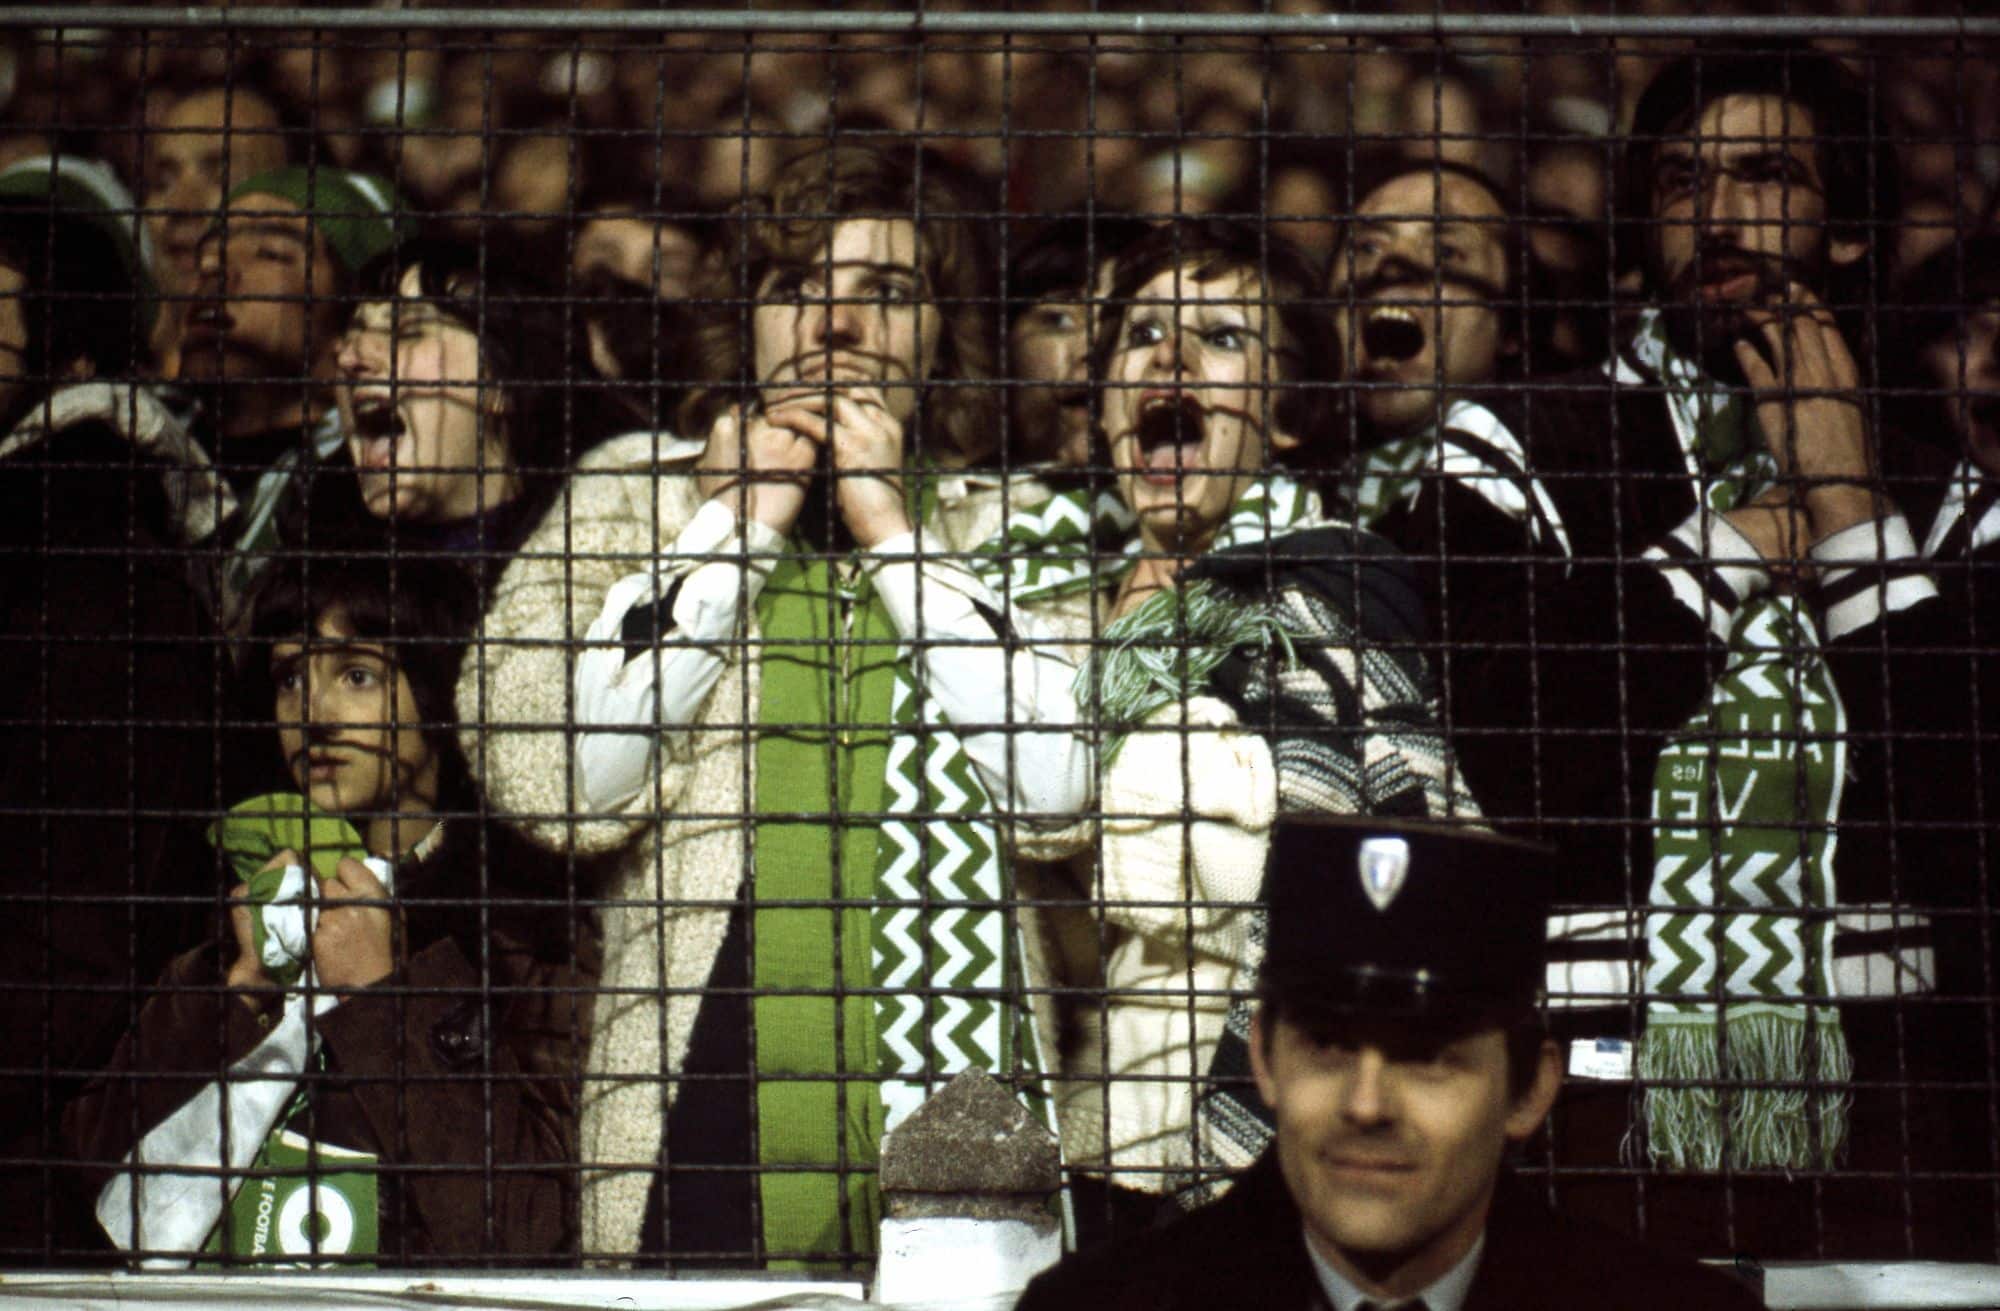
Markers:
(967, 1185)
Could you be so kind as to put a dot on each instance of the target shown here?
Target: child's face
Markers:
(350, 731)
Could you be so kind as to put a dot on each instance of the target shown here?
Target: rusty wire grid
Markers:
(1499, 447)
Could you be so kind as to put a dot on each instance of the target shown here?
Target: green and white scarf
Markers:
(884, 960)
(1163, 651)
(1389, 474)
(1745, 800)
(1079, 540)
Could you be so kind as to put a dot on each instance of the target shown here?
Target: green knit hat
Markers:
(87, 190)
(359, 214)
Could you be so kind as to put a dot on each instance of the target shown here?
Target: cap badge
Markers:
(1384, 863)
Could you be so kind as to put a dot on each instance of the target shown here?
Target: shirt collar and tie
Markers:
(1448, 1293)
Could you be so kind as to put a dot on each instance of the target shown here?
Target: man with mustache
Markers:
(1704, 692)
(1398, 1043)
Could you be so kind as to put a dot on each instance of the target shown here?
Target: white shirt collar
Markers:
(1448, 1293)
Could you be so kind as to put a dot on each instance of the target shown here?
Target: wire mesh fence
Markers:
(600, 601)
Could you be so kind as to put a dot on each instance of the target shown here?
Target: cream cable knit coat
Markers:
(682, 845)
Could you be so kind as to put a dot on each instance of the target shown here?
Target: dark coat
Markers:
(1568, 671)
(1249, 1250)
(107, 733)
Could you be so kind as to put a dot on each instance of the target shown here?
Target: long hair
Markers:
(1863, 195)
(811, 195)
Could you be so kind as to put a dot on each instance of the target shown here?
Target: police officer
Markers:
(1399, 1046)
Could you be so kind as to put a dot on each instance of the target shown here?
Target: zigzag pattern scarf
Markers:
(1745, 800)
(1079, 540)
(884, 960)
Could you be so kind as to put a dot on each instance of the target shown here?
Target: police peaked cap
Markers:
(1404, 918)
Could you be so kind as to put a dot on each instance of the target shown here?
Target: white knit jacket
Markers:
(683, 844)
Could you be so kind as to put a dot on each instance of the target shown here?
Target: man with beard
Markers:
(1705, 699)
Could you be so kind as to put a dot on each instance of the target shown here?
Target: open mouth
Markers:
(377, 418)
(1392, 332)
(208, 320)
(1169, 430)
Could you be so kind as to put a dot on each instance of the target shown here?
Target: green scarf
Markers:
(865, 797)
(1745, 801)
(1389, 474)
(827, 674)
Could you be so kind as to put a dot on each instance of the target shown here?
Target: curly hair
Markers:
(812, 194)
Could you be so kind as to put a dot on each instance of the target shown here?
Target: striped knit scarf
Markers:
(1161, 653)
(1745, 798)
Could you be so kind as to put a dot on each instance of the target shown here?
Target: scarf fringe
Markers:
(1795, 1127)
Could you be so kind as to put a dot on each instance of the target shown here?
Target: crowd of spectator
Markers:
(639, 601)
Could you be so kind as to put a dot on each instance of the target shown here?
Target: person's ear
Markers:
(1260, 1063)
(1533, 1105)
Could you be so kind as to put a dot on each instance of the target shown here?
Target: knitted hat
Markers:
(359, 214)
(87, 189)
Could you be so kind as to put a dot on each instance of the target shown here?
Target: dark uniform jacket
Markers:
(1249, 1250)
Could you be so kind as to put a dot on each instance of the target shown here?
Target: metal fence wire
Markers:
(599, 601)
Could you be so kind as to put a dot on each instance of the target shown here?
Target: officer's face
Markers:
(1390, 1136)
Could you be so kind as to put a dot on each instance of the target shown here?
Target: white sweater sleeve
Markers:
(1001, 681)
(628, 691)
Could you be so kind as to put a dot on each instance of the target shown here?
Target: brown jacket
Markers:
(409, 1075)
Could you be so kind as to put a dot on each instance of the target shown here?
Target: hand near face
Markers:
(759, 464)
(247, 970)
(1808, 391)
(353, 945)
(868, 456)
